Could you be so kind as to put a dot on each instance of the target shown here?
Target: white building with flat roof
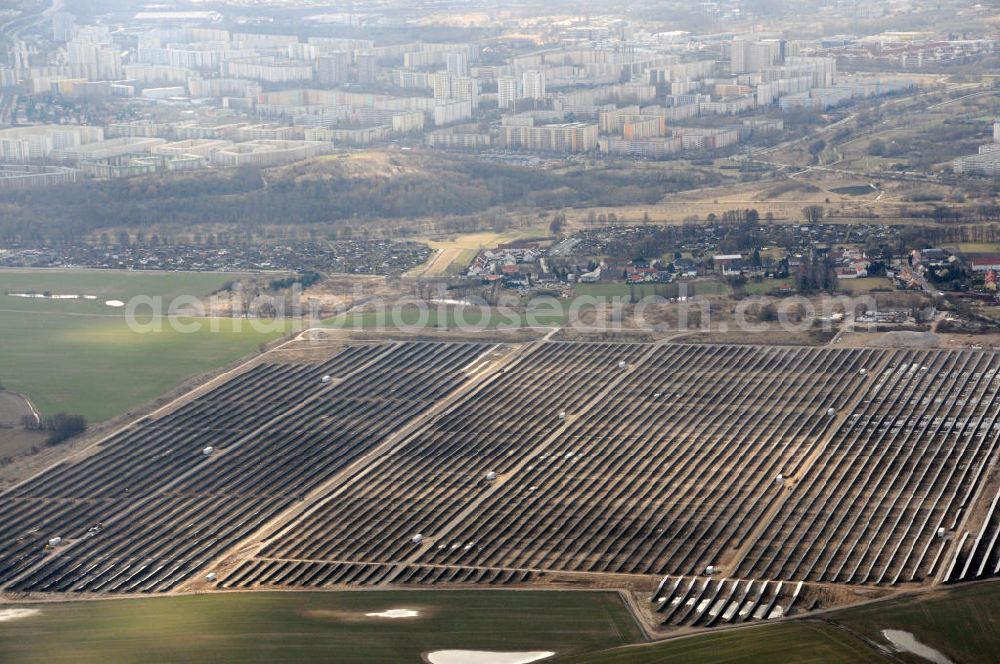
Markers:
(23, 144)
(507, 92)
(114, 147)
(533, 84)
(451, 111)
(269, 153)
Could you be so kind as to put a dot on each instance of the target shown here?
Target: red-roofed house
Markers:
(986, 263)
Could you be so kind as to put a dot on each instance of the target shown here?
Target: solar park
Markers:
(718, 484)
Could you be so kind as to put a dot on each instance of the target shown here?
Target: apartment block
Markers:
(565, 137)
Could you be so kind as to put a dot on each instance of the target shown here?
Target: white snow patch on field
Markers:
(905, 642)
(486, 657)
(394, 613)
(15, 614)
(49, 296)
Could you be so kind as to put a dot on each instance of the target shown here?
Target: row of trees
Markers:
(456, 186)
(61, 427)
(816, 274)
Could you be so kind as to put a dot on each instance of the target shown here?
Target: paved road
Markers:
(14, 28)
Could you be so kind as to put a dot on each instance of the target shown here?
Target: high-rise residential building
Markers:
(752, 56)
(822, 70)
(63, 26)
(441, 85)
(451, 111)
(367, 67)
(300, 51)
(565, 137)
(458, 64)
(447, 87)
(533, 84)
(267, 69)
(463, 87)
(404, 78)
(36, 142)
(102, 60)
(333, 68)
(507, 92)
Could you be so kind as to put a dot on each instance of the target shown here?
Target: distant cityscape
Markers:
(153, 91)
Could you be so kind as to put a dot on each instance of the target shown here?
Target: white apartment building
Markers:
(268, 69)
(404, 78)
(23, 144)
(269, 153)
(465, 88)
(114, 147)
(533, 84)
(101, 60)
(63, 26)
(201, 147)
(333, 68)
(457, 64)
(822, 70)
(749, 56)
(448, 87)
(451, 111)
(564, 137)
(507, 92)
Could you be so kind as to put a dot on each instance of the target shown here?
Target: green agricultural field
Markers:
(864, 285)
(789, 643)
(80, 355)
(314, 627)
(103, 285)
(962, 622)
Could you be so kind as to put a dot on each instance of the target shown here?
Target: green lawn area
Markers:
(462, 262)
(766, 286)
(80, 355)
(314, 627)
(855, 190)
(863, 285)
(790, 643)
(979, 247)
